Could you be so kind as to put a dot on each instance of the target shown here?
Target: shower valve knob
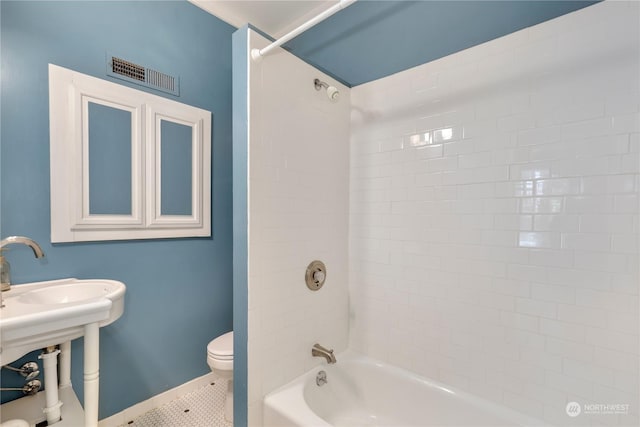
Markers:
(318, 276)
(315, 275)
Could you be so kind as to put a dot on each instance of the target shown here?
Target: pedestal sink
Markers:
(42, 314)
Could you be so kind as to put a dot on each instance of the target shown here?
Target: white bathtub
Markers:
(363, 392)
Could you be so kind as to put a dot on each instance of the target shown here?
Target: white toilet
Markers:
(220, 360)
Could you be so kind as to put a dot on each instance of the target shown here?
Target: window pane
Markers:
(176, 167)
(109, 160)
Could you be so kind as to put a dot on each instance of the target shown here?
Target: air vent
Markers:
(141, 75)
(128, 69)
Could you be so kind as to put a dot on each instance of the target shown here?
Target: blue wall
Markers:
(375, 38)
(240, 223)
(179, 291)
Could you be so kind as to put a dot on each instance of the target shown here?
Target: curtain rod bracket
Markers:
(256, 55)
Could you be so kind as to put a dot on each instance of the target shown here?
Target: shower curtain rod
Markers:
(257, 54)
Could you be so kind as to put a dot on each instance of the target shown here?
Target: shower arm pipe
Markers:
(257, 54)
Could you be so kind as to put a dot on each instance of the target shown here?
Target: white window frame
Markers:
(70, 93)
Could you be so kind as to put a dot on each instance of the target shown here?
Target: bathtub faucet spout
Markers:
(320, 351)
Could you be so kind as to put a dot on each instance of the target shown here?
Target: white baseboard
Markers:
(123, 417)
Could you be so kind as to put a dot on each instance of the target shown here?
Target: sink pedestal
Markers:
(44, 314)
(69, 406)
(91, 374)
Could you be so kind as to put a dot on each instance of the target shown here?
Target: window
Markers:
(125, 164)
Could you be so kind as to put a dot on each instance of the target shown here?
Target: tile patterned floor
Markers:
(200, 408)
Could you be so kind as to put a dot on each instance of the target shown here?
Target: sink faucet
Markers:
(5, 274)
(320, 351)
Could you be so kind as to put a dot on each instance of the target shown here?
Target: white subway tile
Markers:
(601, 261)
(538, 239)
(629, 204)
(539, 136)
(510, 287)
(476, 191)
(623, 322)
(513, 222)
(459, 147)
(479, 128)
(525, 339)
(582, 315)
(478, 221)
(569, 167)
(527, 171)
(499, 205)
(543, 394)
(555, 151)
(607, 300)
(569, 384)
(487, 174)
(588, 371)
(608, 184)
(588, 128)
(586, 241)
(605, 223)
(536, 308)
(563, 330)
(447, 134)
(527, 273)
(615, 359)
(634, 143)
(627, 383)
(515, 188)
(612, 340)
(542, 358)
(583, 111)
(499, 238)
(440, 164)
(625, 243)
(589, 204)
(511, 155)
(498, 141)
(610, 145)
(553, 293)
(424, 124)
(428, 151)
(543, 205)
(556, 187)
(516, 122)
(569, 348)
(560, 222)
(626, 123)
(630, 163)
(475, 160)
(576, 277)
(457, 114)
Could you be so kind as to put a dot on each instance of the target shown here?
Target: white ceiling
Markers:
(276, 18)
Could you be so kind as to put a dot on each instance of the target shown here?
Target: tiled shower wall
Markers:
(494, 217)
(298, 212)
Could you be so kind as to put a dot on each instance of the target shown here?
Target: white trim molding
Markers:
(70, 94)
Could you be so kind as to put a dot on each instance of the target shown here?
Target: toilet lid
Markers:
(221, 347)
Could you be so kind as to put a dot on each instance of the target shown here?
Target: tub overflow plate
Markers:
(315, 275)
